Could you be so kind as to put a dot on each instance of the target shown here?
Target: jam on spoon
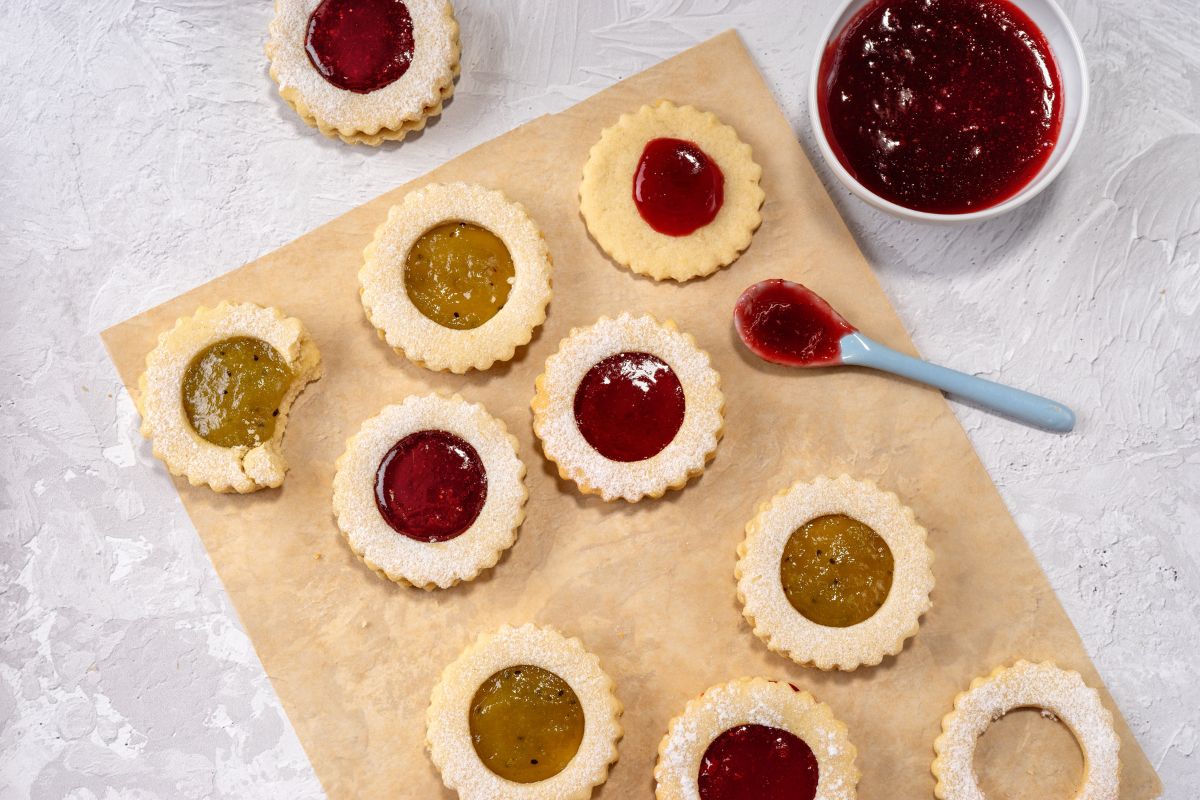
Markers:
(786, 323)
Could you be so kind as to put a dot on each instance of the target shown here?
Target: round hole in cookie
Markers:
(360, 45)
(430, 486)
(836, 571)
(1028, 755)
(232, 390)
(459, 274)
(629, 406)
(758, 762)
(526, 723)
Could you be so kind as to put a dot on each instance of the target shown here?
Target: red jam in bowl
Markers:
(758, 762)
(360, 45)
(431, 486)
(677, 188)
(944, 106)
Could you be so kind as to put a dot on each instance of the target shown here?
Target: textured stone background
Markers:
(143, 151)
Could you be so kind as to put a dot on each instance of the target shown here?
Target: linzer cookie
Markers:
(628, 408)
(756, 738)
(430, 492)
(364, 71)
(457, 278)
(671, 192)
(1025, 685)
(834, 574)
(524, 714)
(217, 390)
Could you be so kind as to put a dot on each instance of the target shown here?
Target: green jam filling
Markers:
(836, 571)
(458, 275)
(526, 723)
(232, 391)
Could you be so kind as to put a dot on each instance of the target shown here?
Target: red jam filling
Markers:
(786, 323)
(360, 45)
(757, 762)
(629, 406)
(430, 486)
(946, 106)
(677, 187)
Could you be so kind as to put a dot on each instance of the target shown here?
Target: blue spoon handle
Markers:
(861, 351)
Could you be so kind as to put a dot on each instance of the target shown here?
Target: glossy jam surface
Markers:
(629, 406)
(232, 391)
(836, 571)
(360, 45)
(786, 323)
(459, 275)
(946, 106)
(431, 486)
(677, 188)
(758, 762)
(526, 723)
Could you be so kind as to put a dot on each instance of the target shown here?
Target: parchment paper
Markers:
(648, 587)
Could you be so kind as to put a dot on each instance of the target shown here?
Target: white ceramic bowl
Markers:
(1072, 67)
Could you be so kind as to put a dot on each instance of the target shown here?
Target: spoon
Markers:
(786, 323)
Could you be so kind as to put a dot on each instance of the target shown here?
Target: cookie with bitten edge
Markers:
(248, 466)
